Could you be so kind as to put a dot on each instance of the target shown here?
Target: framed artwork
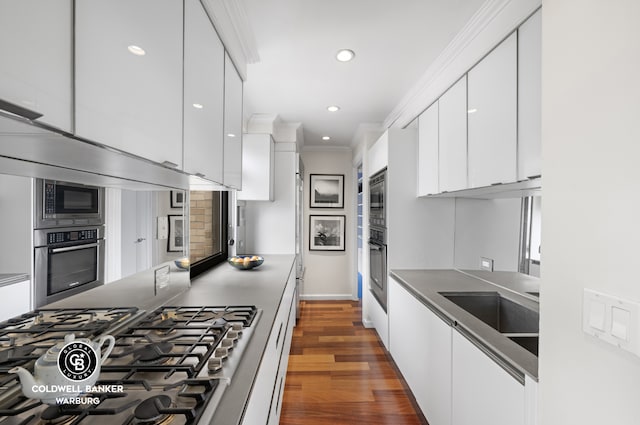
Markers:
(177, 199)
(176, 235)
(327, 191)
(326, 232)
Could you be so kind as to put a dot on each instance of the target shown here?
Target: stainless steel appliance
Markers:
(378, 237)
(61, 204)
(377, 195)
(170, 366)
(378, 265)
(68, 261)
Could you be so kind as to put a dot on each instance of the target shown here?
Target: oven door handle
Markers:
(75, 248)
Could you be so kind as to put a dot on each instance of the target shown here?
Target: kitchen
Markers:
(587, 154)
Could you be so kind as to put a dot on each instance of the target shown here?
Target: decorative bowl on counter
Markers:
(245, 262)
(182, 263)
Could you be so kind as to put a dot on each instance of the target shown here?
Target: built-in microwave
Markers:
(377, 198)
(67, 204)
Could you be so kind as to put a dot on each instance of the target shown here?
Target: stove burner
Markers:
(153, 353)
(15, 353)
(148, 412)
(57, 415)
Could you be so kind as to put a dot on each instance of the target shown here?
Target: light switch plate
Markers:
(163, 227)
(612, 319)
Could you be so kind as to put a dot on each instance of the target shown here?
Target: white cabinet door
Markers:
(203, 95)
(453, 138)
(428, 151)
(127, 101)
(529, 96)
(35, 46)
(258, 168)
(492, 117)
(16, 299)
(232, 125)
(378, 154)
(483, 393)
(424, 358)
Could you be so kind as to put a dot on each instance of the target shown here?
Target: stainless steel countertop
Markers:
(262, 287)
(223, 285)
(11, 278)
(425, 285)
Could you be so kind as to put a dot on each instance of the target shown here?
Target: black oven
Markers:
(67, 261)
(378, 237)
(67, 204)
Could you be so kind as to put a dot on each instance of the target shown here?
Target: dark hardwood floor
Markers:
(339, 372)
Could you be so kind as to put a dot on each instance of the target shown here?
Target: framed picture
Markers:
(177, 199)
(326, 232)
(327, 191)
(176, 235)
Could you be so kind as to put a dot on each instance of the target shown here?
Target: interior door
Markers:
(136, 231)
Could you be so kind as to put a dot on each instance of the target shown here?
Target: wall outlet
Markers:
(161, 278)
(486, 264)
(163, 227)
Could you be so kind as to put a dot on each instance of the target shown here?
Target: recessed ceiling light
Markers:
(472, 111)
(333, 108)
(345, 55)
(198, 105)
(326, 138)
(136, 50)
(231, 135)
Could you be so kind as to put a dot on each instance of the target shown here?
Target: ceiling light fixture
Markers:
(326, 138)
(472, 111)
(345, 55)
(136, 50)
(198, 105)
(231, 135)
(333, 108)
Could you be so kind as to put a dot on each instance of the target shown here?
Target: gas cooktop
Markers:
(169, 367)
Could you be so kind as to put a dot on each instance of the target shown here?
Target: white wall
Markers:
(271, 226)
(331, 275)
(17, 212)
(591, 208)
(487, 228)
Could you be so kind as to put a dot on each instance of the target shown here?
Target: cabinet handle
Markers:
(496, 184)
(169, 164)
(199, 175)
(278, 399)
(279, 332)
(19, 110)
(534, 176)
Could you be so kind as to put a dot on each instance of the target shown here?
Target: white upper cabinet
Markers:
(378, 154)
(232, 125)
(203, 95)
(493, 116)
(35, 70)
(453, 138)
(258, 168)
(529, 90)
(428, 151)
(125, 99)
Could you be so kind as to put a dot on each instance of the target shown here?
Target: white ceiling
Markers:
(298, 76)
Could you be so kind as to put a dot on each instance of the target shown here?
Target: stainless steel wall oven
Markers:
(67, 261)
(378, 238)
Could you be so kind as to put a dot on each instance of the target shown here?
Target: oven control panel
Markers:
(72, 236)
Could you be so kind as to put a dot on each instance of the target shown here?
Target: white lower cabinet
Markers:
(482, 392)
(265, 401)
(423, 357)
(17, 298)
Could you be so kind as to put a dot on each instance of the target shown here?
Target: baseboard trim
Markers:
(367, 324)
(313, 297)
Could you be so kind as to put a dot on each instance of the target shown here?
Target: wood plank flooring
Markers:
(339, 372)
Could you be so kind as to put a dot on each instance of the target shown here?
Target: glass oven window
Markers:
(70, 269)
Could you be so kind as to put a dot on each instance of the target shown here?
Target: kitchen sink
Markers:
(500, 313)
(528, 342)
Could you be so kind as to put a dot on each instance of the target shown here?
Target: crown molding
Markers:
(317, 148)
(487, 27)
(230, 20)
